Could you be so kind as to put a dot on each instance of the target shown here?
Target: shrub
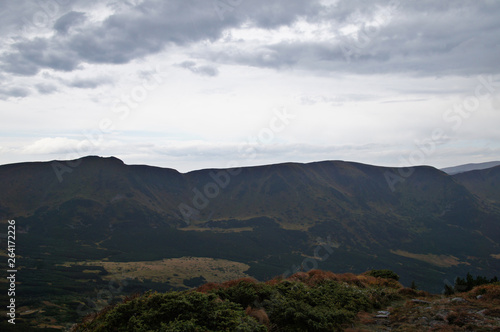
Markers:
(242, 292)
(174, 311)
(313, 301)
(469, 282)
(490, 293)
(408, 292)
(387, 274)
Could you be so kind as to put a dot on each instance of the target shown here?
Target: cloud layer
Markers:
(333, 60)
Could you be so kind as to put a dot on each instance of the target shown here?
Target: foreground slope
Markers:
(313, 301)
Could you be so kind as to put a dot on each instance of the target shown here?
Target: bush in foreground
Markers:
(313, 301)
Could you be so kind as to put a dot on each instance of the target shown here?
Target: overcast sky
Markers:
(217, 83)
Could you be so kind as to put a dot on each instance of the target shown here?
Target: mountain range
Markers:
(81, 221)
(470, 167)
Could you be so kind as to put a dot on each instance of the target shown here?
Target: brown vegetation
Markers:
(259, 314)
(225, 285)
(315, 277)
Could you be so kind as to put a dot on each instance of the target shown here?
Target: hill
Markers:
(85, 224)
(469, 167)
(483, 183)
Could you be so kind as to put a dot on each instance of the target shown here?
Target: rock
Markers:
(423, 320)
(441, 316)
(420, 301)
(482, 312)
(479, 297)
(458, 299)
(382, 314)
(436, 323)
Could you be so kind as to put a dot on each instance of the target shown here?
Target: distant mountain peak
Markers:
(99, 158)
(470, 167)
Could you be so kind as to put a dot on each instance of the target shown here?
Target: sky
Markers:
(221, 83)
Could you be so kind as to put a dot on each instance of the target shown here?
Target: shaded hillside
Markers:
(483, 183)
(295, 195)
(32, 186)
(102, 200)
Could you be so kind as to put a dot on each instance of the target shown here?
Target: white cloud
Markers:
(55, 145)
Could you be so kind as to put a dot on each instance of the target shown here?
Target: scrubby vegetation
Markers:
(388, 274)
(313, 301)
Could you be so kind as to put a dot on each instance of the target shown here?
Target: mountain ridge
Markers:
(106, 216)
(470, 167)
(374, 221)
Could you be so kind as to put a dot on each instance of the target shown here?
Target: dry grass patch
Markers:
(438, 260)
(173, 270)
(217, 229)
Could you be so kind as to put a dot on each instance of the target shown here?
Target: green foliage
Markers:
(284, 305)
(174, 311)
(244, 293)
(388, 274)
(295, 306)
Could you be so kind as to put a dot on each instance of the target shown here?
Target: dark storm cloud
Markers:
(30, 56)
(13, 92)
(21, 16)
(65, 22)
(141, 30)
(199, 70)
(45, 88)
(89, 83)
(425, 38)
(421, 37)
(272, 14)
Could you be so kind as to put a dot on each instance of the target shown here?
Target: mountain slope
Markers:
(483, 183)
(355, 198)
(104, 219)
